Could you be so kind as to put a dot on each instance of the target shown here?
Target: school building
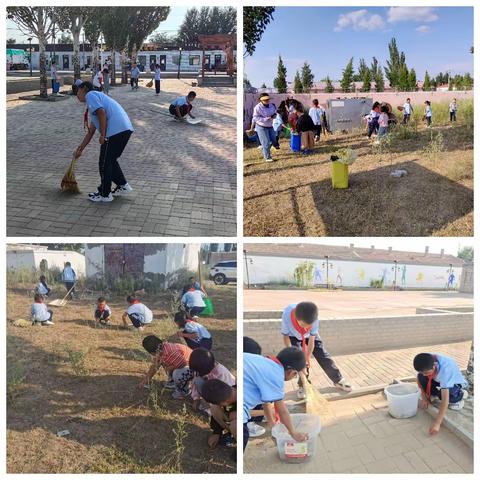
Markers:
(159, 263)
(168, 58)
(349, 267)
(41, 259)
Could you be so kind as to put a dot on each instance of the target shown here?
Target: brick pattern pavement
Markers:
(361, 437)
(184, 176)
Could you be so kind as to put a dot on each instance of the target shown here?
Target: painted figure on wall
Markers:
(404, 276)
(451, 280)
(317, 276)
(339, 279)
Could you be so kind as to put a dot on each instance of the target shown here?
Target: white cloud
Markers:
(412, 14)
(359, 20)
(423, 29)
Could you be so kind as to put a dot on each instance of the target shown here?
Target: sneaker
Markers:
(94, 194)
(456, 406)
(269, 159)
(343, 385)
(179, 395)
(48, 322)
(121, 190)
(301, 395)
(255, 430)
(465, 394)
(227, 440)
(100, 198)
(259, 147)
(170, 385)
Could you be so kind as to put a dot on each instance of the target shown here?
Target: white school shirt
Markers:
(97, 79)
(453, 107)
(157, 74)
(316, 115)
(199, 330)
(40, 312)
(41, 289)
(428, 111)
(193, 299)
(143, 313)
(407, 108)
(106, 309)
(289, 330)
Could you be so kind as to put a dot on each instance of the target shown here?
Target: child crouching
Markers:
(40, 313)
(103, 313)
(194, 334)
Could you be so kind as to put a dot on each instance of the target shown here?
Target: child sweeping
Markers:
(440, 378)
(110, 119)
(173, 357)
(194, 334)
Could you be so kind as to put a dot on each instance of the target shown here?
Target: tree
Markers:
(347, 77)
(467, 81)
(73, 20)
(427, 84)
(377, 75)
(367, 81)
(412, 81)
(69, 247)
(280, 81)
(11, 41)
(403, 85)
(255, 21)
(161, 39)
(306, 77)
(328, 85)
(65, 39)
(92, 30)
(362, 69)
(206, 21)
(36, 22)
(466, 253)
(394, 64)
(297, 83)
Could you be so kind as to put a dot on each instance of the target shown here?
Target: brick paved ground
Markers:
(380, 368)
(351, 304)
(359, 436)
(184, 176)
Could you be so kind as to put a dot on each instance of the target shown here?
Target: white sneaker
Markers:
(456, 406)
(301, 395)
(269, 159)
(94, 194)
(48, 322)
(255, 430)
(121, 190)
(465, 394)
(100, 198)
(343, 385)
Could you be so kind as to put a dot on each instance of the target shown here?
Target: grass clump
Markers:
(76, 358)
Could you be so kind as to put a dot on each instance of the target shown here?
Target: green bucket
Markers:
(208, 310)
(287, 132)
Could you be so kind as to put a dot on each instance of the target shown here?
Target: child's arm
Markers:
(269, 413)
(287, 421)
(435, 427)
(190, 114)
(181, 333)
(310, 348)
(150, 374)
(85, 142)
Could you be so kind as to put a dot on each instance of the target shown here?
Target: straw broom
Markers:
(69, 183)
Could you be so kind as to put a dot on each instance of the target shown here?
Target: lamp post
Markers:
(179, 61)
(53, 36)
(328, 265)
(30, 54)
(83, 48)
(246, 269)
(395, 269)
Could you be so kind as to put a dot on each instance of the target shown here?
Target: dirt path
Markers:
(82, 378)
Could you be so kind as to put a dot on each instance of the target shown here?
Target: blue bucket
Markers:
(56, 87)
(295, 142)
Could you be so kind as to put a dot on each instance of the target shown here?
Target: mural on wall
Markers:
(317, 276)
(419, 278)
(339, 279)
(404, 276)
(361, 274)
(304, 274)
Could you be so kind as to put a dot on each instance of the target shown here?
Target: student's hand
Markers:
(179, 333)
(101, 140)
(143, 383)
(434, 428)
(213, 440)
(78, 152)
(423, 403)
(299, 437)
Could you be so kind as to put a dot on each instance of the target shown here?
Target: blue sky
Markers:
(170, 25)
(436, 39)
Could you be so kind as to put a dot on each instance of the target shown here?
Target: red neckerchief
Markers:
(191, 289)
(189, 320)
(101, 307)
(135, 301)
(38, 301)
(276, 360)
(430, 380)
(301, 330)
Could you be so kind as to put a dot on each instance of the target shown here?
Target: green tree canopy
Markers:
(297, 83)
(255, 21)
(466, 253)
(280, 81)
(329, 85)
(347, 77)
(377, 75)
(394, 64)
(412, 81)
(307, 77)
(427, 84)
(367, 81)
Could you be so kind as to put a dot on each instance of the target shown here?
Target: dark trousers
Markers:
(429, 121)
(318, 129)
(134, 82)
(453, 116)
(101, 316)
(157, 86)
(203, 343)
(322, 357)
(108, 166)
(68, 286)
(406, 118)
(53, 83)
(246, 436)
(372, 127)
(184, 109)
(194, 311)
(455, 394)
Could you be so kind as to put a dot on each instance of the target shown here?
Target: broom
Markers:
(69, 183)
(149, 84)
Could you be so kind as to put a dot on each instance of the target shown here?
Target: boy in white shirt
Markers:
(407, 111)
(192, 302)
(40, 312)
(316, 114)
(103, 312)
(138, 314)
(428, 113)
(42, 287)
(453, 110)
(194, 334)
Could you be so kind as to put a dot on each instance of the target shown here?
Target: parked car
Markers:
(224, 272)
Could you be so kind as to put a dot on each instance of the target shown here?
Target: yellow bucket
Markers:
(339, 175)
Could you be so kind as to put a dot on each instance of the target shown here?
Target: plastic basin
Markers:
(402, 400)
(291, 451)
(295, 142)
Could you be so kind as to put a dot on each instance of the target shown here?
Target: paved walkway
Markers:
(359, 436)
(351, 304)
(380, 368)
(184, 176)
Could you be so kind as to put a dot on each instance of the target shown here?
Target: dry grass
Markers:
(293, 196)
(78, 377)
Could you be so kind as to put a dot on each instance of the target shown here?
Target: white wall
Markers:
(94, 260)
(55, 259)
(20, 259)
(262, 270)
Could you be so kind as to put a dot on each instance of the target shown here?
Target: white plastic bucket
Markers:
(402, 399)
(291, 451)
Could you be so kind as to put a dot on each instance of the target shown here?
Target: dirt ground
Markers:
(293, 195)
(78, 377)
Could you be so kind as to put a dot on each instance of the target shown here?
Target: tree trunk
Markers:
(112, 81)
(469, 375)
(42, 66)
(124, 67)
(76, 54)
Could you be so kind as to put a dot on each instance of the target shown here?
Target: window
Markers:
(175, 59)
(194, 60)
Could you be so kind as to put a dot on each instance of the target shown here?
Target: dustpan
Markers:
(60, 302)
